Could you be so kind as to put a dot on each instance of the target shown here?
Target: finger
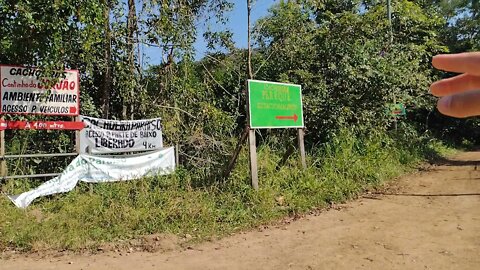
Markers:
(455, 85)
(460, 105)
(460, 63)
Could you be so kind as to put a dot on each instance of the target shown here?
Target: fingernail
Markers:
(435, 58)
(433, 87)
(444, 104)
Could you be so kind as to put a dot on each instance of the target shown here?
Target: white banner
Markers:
(97, 169)
(111, 136)
(25, 90)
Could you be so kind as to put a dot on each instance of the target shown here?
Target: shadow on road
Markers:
(429, 195)
(442, 161)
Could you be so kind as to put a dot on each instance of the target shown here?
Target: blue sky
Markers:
(237, 24)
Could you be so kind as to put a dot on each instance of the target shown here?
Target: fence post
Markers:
(301, 146)
(77, 136)
(253, 158)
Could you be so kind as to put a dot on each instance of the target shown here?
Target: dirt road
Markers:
(435, 224)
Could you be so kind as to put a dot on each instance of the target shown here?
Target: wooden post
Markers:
(3, 163)
(90, 185)
(88, 150)
(301, 146)
(177, 154)
(77, 136)
(253, 158)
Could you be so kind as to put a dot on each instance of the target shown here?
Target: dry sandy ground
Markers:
(434, 224)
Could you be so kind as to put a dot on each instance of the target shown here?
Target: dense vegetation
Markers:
(352, 64)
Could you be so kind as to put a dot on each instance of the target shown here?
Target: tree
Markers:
(344, 60)
(107, 79)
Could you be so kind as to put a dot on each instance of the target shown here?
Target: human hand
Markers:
(459, 95)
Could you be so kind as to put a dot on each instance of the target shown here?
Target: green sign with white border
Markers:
(275, 105)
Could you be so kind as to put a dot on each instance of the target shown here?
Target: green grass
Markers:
(89, 217)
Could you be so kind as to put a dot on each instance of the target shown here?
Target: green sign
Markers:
(275, 105)
(397, 110)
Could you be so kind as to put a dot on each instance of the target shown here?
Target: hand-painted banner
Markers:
(27, 90)
(95, 169)
(49, 125)
(111, 136)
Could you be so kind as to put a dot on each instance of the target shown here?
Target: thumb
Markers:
(460, 105)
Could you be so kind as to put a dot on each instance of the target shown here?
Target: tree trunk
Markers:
(131, 29)
(249, 10)
(107, 80)
(247, 131)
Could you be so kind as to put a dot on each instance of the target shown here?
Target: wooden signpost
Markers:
(274, 105)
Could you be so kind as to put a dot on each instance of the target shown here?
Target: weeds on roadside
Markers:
(179, 204)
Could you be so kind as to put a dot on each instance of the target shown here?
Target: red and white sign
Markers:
(51, 125)
(25, 90)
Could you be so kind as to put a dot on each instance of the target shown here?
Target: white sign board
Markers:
(25, 90)
(95, 169)
(111, 136)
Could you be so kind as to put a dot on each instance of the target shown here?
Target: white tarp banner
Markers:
(97, 169)
(111, 136)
